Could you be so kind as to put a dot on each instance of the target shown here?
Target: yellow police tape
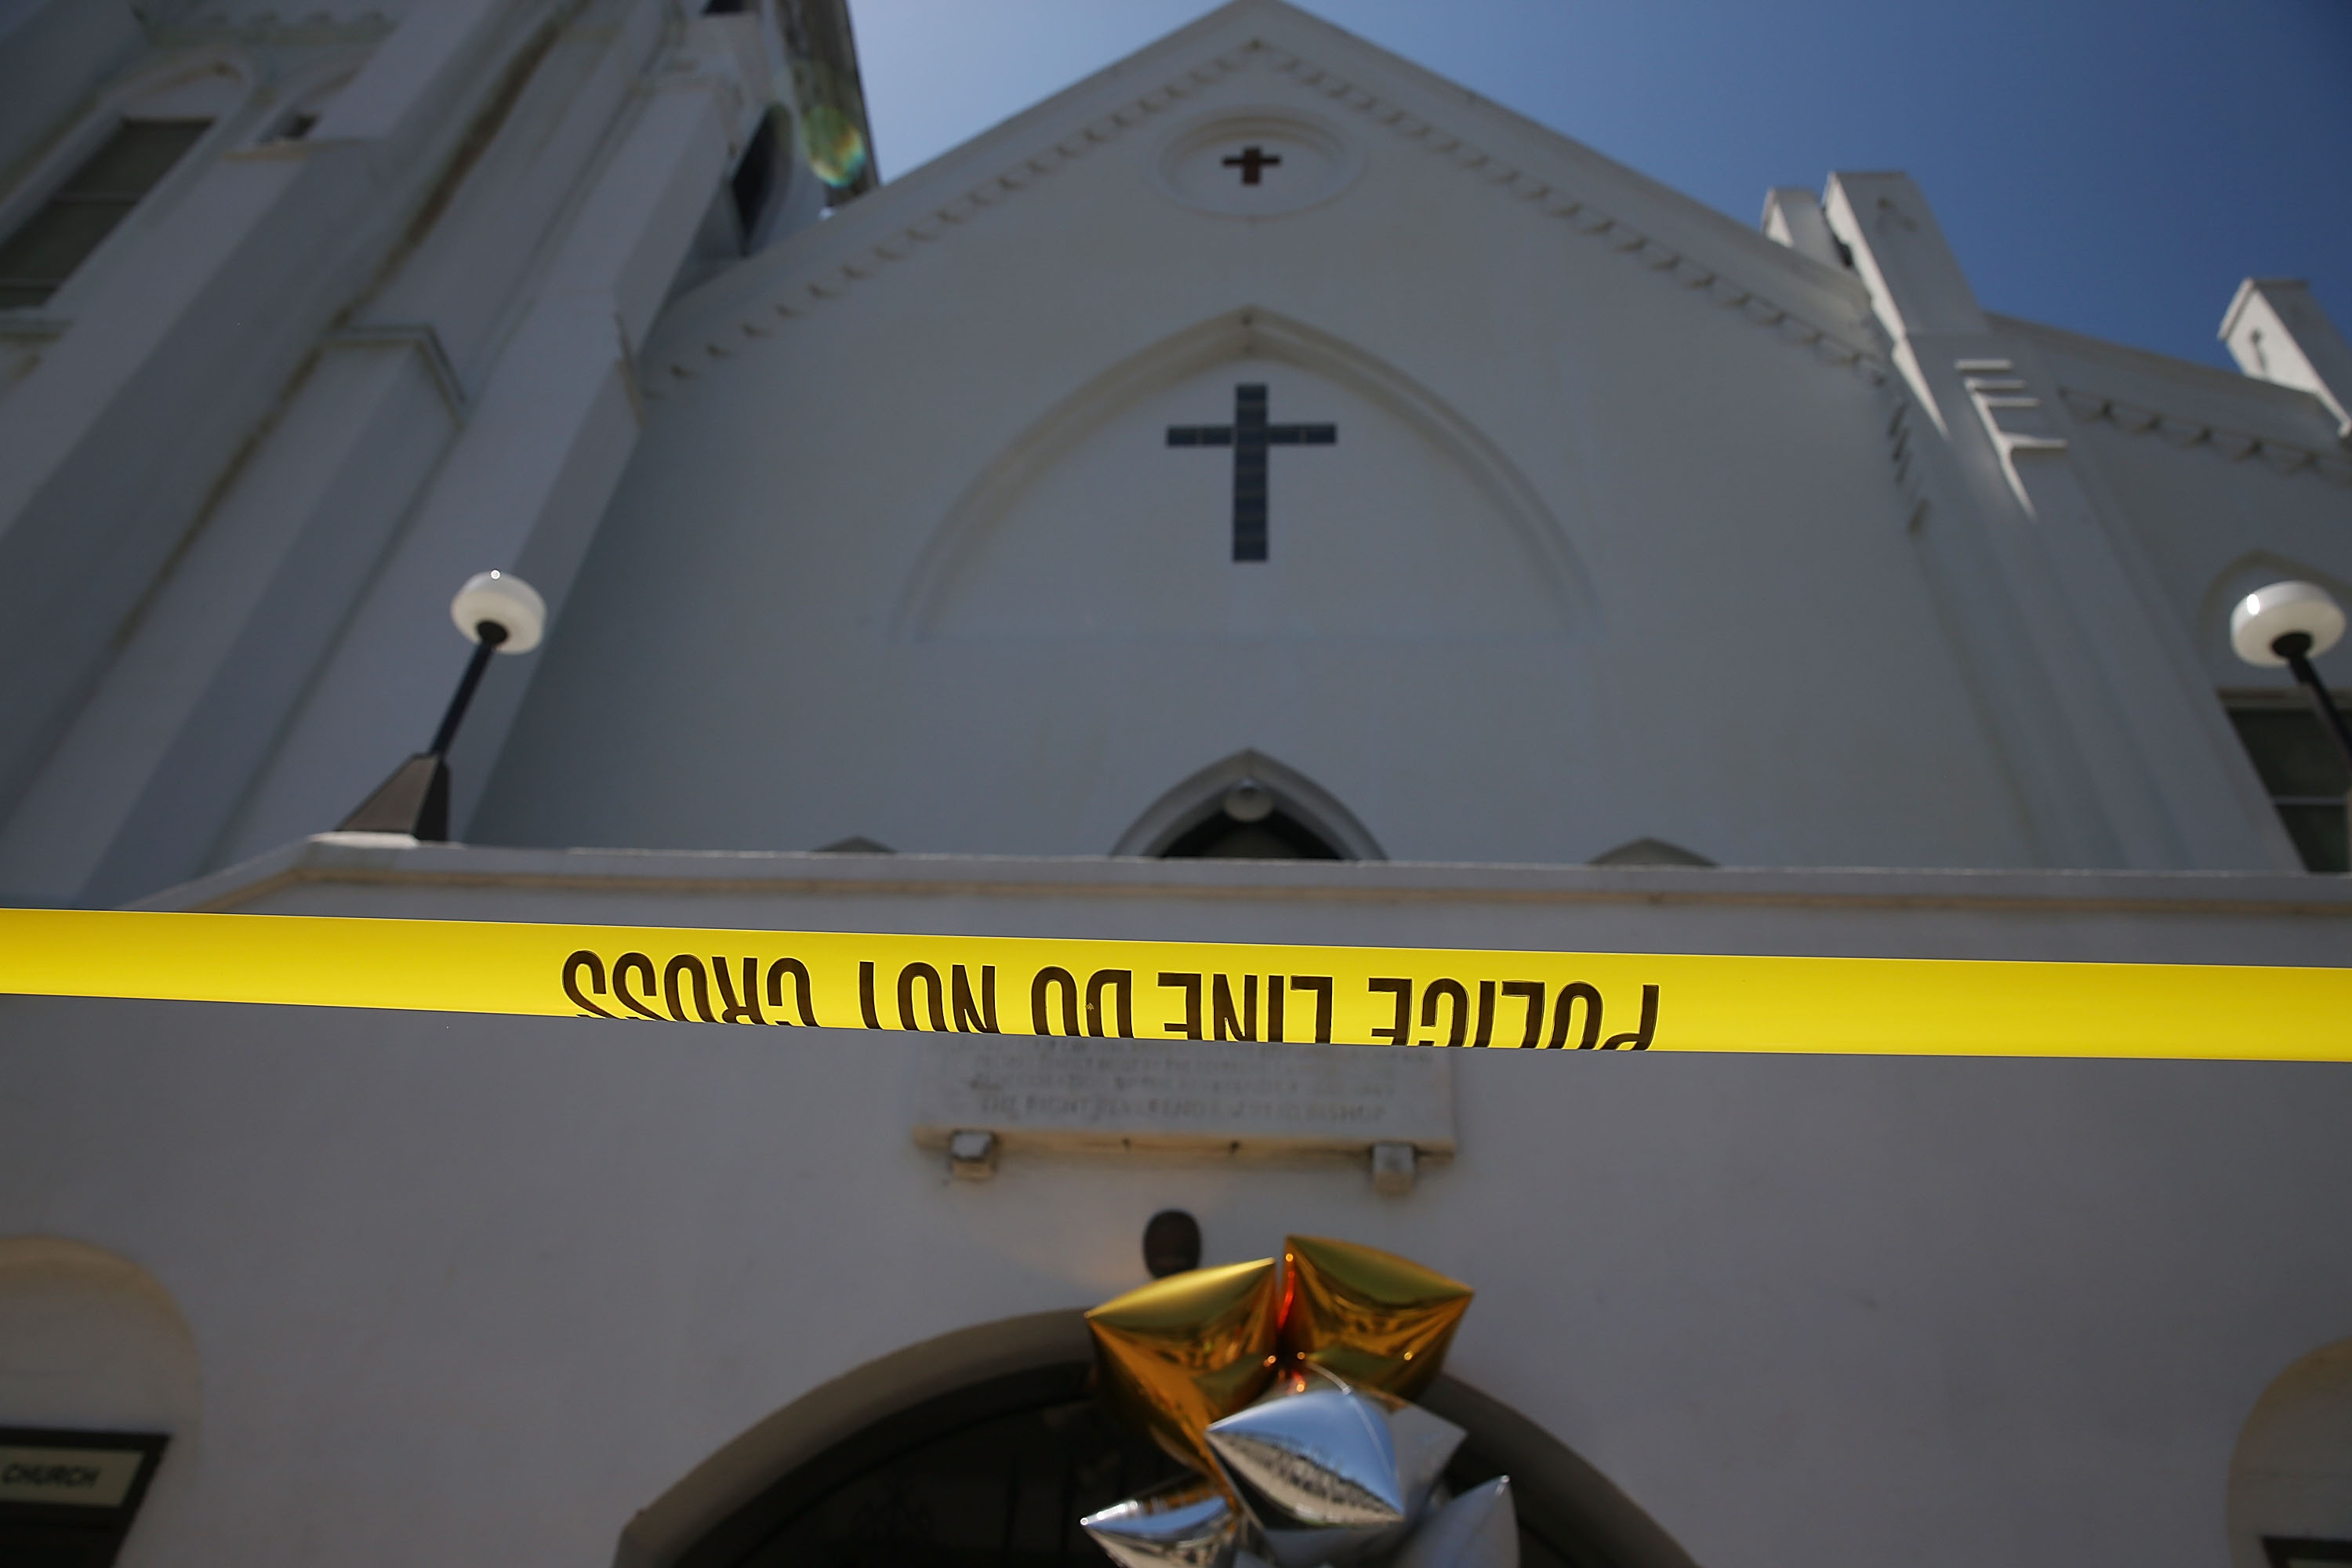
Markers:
(1160, 990)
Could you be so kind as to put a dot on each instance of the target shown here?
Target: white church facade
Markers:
(1263, 493)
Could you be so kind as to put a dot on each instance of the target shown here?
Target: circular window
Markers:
(1256, 164)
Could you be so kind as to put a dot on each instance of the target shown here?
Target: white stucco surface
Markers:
(1638, 524)
(480, 1289)
(939, 534)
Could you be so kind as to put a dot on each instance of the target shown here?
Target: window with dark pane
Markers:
(1276, 836)
(79, 213)
(2301, 769)
(997, 1473)
(753, 183)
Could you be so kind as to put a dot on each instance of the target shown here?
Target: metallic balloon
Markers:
(1424, 1446)
(1317, 1472)
(1425, 1442)
(1187, 1349)
(1323, 1458)
(1376, 1320)
(1480, 1528)
(1326, 1548)
(1186, 1524)
(1302, 1377)
(1291, 1390)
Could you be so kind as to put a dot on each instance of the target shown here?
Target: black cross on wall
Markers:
(1252, 162)
(1249, 436)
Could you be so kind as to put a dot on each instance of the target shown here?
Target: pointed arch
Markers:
(1249, 333)
(1201, 797)
(1650, 852)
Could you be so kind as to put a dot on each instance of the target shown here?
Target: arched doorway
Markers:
(995, 1473)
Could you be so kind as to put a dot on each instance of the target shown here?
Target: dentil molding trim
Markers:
(1854, 348)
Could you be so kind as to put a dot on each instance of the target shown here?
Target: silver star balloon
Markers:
(1480, 1528)
(1317, 1472)
(1323, 1458)
(1424, 1445)
(1425, 1442)
(1188, 1524)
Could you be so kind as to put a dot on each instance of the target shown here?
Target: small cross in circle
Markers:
(1252, 162)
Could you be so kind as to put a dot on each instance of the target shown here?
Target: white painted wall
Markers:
(2224, 482)
(1630, 530)
(1642, 525)
(2286, 1478)
(390, 351)
(1834, 1311)
(52, 53)
(938, 536)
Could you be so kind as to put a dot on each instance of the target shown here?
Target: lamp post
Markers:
(2291, 624)
(499, 613)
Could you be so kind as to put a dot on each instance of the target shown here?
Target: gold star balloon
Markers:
(1290, 1387)
(1368, 1317)
(1187, 1349)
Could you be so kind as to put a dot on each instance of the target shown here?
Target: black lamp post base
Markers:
(415, 800)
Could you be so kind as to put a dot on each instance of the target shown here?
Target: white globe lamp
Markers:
(2264, 627)
(503, 601)
(2292, 623)
(1249, 801)
(497, 612)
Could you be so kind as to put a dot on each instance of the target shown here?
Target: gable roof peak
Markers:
(1547, 171)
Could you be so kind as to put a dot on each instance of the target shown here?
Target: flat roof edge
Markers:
(358, 861)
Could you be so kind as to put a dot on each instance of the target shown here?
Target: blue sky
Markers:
(2114, 169)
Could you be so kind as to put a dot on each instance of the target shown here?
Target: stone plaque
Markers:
(1224, 1097)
